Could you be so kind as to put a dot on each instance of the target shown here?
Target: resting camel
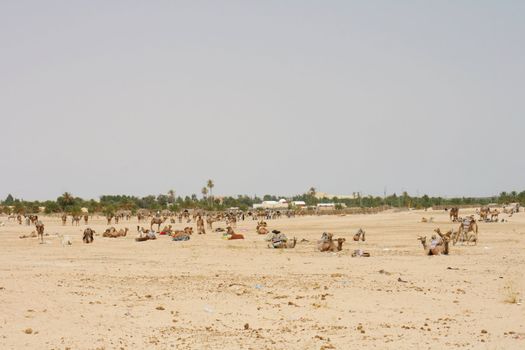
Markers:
(182, 234)
(437, 247)
(144, 235)
(156, 221)
(40, 230)
(88, 235)
(113, 233)
(359, 235)
(233, 235)
(454, 213)
(262, 228)
(327, 243)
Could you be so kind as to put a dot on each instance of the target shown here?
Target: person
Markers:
(434, 242)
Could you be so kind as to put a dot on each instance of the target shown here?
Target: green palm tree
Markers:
(210, 185)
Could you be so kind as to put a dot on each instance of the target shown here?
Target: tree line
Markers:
(68, 203)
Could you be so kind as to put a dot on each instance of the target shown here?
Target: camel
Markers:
(262, 228)
(484, 214)
(437, 247)
(75, 220)
(86, 218)
(359, 235)
(454, 213)
(64, 219)
(88, 236)
(467, 232)
(40, 230)
(156, 221)
(494, 215)
(182, 235)
(19, 219)
(200, 226)
(113, 233)
(123, 232)
(330, 245)
(109, 217)
(33, 218)
(144, 235)
(232, 235)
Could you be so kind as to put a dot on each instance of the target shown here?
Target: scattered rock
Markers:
(246, 326)
(160, 308)
(28, 331)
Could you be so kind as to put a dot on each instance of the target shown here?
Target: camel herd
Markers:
(466, 232)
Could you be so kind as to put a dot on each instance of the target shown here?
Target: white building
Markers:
(281, 204)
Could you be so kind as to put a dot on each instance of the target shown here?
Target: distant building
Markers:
(326, 206)
(299, 204)
(281, 204)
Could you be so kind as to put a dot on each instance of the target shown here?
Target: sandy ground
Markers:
(200, 294)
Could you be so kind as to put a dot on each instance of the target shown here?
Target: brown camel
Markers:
(494, 214)
(40, 230)
(156, 221)
(454, 214)
(436, 248)
(359, 235)
(188, 231)
(331, 246)
(262, 228)
(232, 235)
(484, 213)
(64, 219)
(86, 218)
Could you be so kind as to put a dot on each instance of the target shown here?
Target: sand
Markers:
(208, 293)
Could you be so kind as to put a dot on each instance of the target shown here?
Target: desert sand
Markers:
(208, 293)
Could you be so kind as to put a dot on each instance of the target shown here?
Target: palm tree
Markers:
(204, 192)
(210, 185)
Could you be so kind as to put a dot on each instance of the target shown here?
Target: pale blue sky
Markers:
(137, 97)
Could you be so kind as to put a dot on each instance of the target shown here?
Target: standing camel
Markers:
(40, 230)
(156, 221)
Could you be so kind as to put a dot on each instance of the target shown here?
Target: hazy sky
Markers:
(138, 97)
